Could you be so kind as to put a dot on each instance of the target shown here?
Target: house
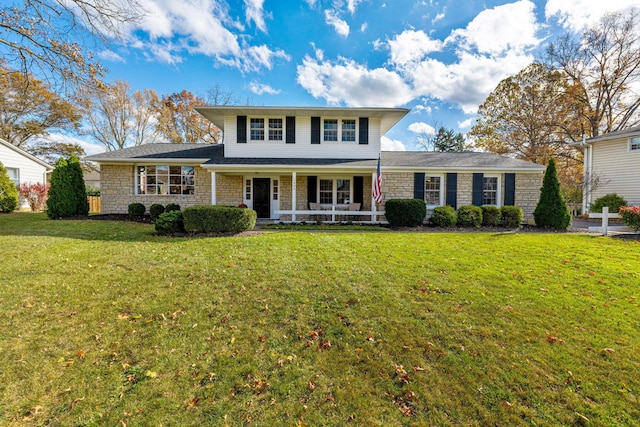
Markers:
(23, 168)
(293, 163)
(613, 160)
(91, 175)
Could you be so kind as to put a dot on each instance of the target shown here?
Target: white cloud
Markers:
(504, 28)
(109, 55)
(352, 4)
(88, 147)
(411, 45)
(465, 124)
(419, 108)
(388, 144)
(261, 88)
(421, 128)
(255, 13)
(576, 14)
(363, 27)
(331, 18)
(345, 81)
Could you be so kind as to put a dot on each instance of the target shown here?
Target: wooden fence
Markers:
(94, 204)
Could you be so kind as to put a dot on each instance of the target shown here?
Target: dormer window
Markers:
(634, 143)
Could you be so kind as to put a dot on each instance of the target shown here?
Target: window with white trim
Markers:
(165, 180)
(247, 189)
(334, 130)
(490, 190)
(14, 175)
(432, 190)
(256, 129)
(275, 129)
(275, 184)
(266, 129)
(634, 143)
(334, 191)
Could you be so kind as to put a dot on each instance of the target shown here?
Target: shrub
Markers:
(8, 192)
(511, 216)
(170, 223)
(218, 219)
(631, 216)
(68, 194)
(469, 216)
(551, 210)
(93, 191)
(613, 201)
(136, 209)
(444, 216)
(35, 195)
(155, 210)
(172, 207)
(490, 216)
(405, 212)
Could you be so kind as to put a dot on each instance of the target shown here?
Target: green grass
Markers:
(102, 323)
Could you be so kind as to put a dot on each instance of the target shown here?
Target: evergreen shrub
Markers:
(490, 216)
(8, 192)
(155, 210)
(136, 209)
(405, 212)
(470, 216)
(551, 210)
(67, 194)
(511, 216)
(170, 223)
(444, 216)
(612, 200)
(171, 207)
(218, 219)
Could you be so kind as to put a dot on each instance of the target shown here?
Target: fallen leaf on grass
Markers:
(192, 403)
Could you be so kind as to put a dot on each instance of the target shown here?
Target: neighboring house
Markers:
(23, 168)
(291, 163)
(91, 175)
(613, 159)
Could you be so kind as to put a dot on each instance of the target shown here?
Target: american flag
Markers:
(376, 191)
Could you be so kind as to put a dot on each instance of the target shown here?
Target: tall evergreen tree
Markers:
(68, 194)
(552, 210)
(78, 187)
(8, 192)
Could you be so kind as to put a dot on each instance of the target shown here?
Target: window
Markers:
(247, 189)
(164, 179)
(335, 130)
(275, 189)
(256, 130)
(349, 130)
(490, 190)
(330, 130)
(275, 129)
(432, 190)
(14, 175)
(334, 191)
(634, 143)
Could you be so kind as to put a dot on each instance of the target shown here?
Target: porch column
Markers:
(213, 187)
(294, 186)
(374, 217)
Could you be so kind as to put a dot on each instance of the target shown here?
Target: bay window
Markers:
(165, 180)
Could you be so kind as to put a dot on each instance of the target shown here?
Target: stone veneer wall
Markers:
(229, 189)
(399, 185)
(117, 190)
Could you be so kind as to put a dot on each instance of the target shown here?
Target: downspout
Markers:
(586, 188)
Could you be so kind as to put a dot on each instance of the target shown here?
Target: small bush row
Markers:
(405, 212)
(476, 216)
(155, 210)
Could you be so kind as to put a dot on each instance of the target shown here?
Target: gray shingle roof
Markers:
(635, 130)
(213, 154)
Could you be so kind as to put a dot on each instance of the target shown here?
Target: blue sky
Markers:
(438, 58)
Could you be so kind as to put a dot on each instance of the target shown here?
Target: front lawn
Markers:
(103, 323)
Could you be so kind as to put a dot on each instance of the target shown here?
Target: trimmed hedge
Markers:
(405, 212)
(170, 223)
(511, 216)
(469, 216)
(612, 200)
(218, 219)
(136, 209)
(172, 207)
(490, 216)
(155, 210)
(444, 216)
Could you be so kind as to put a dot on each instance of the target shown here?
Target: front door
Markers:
(262, 197)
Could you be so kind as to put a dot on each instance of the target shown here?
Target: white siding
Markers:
(30, 172)
(303, 147)
(619, 168)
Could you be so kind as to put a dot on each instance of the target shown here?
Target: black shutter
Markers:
(315, 130)
(291, 130)
(363, 138)
(242, 129)
(418, 186)
(358, 189)
(312, 186)
(477, 186)
(509, 189)
(452, 190)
